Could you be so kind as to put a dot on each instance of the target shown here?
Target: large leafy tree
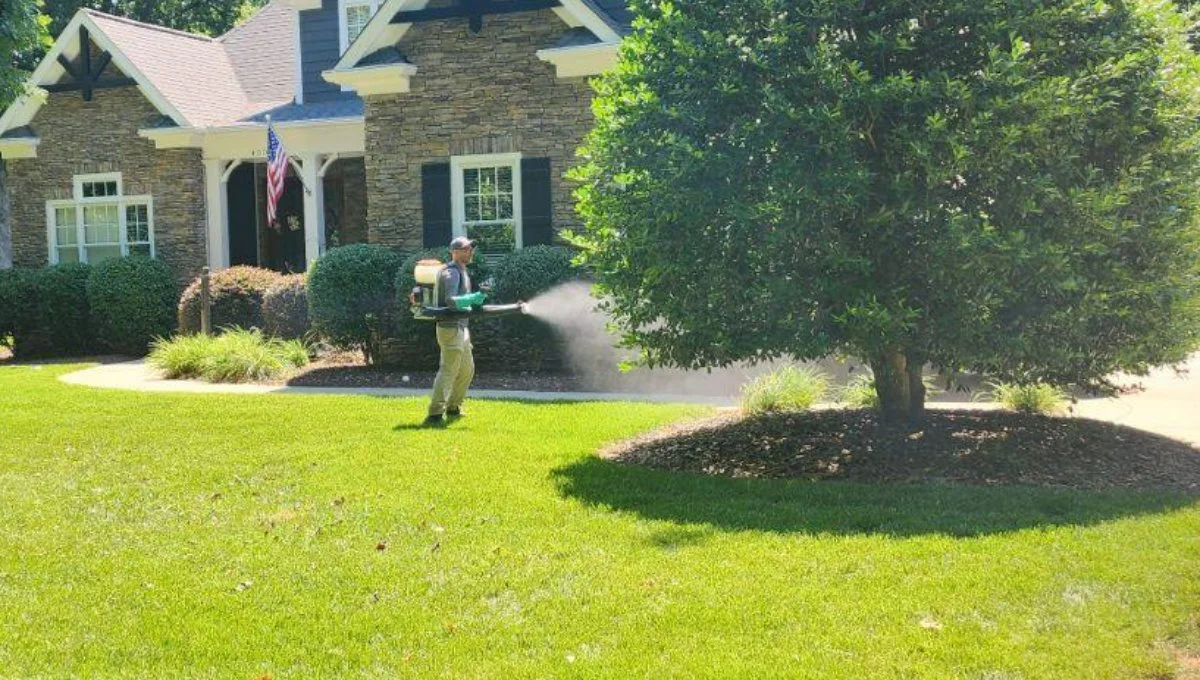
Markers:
(22, 33)
(1001, 186)
(211, 17)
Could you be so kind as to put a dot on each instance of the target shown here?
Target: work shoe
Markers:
(454, 413)
(434, 421)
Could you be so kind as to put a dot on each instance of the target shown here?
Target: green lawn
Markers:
(231, 537)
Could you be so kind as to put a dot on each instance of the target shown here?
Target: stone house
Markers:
(407, 122)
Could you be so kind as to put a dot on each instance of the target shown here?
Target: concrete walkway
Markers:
(137, 375)
(1169, 404)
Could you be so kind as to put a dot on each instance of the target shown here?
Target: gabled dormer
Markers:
(349, 46)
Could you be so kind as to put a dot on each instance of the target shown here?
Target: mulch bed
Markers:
(336, 374)
(967, 447)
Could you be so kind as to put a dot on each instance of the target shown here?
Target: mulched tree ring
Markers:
(966, 447)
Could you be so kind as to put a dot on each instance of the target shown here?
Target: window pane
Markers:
(472, 209)
(505, 210)
(470, 181)
(68, 254)
(494, 238)
(143, 250)
(504, 179)
(137, 223)
(357, 17)
(99, 189)
(65, 233)
(487, 208)
(487, 181)
(96, 254)
(100, 224)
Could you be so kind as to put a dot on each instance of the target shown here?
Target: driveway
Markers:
(1169, 404)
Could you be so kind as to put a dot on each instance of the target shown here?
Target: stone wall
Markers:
(81, 137)
(486, 93)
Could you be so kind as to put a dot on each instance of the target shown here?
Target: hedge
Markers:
(285, 309)
(237, 299)
(63, 312)
(133, 301)
(351, 295)
(18, 309)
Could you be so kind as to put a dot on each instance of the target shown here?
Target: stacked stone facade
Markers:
(472, 94)
(81, 137)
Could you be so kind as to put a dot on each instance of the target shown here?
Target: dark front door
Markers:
(243, 216)
(285, 239)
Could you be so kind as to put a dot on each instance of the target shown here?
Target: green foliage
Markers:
(212, 17)
(773, 178)
(133, 302)
(1030, 398)
(285, 309)
(23, 35)
(238, 355)
(860, 392)
(351, 294)
(789, 388)
(525, 273)
(63, 312)
(237, 299)
(18, 304)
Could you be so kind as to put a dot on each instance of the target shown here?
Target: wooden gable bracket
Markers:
(473, 10)
(86, 79)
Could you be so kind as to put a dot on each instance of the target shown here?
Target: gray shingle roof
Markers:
(212, 81)
(615, 13)
(387, 55)
(349, 106)
(19, 133)
(577, 37)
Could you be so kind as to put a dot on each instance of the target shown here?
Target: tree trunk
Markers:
(916, 390)
(899, 386)
(6, 253)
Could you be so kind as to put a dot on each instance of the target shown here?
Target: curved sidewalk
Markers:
(137, 375)
(1169, 404)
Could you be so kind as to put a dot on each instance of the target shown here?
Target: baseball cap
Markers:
(462, 243)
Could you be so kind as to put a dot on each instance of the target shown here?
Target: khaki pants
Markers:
(455, 372)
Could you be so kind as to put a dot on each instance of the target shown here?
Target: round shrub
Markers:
(63, 311)
(351, 292)
(237, 299)
(530, 271)
(285, 309)
(18, 304)
(133, 302)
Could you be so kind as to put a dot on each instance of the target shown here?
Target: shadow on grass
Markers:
(848, 508)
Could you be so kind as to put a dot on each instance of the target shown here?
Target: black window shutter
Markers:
(436, 215)
(536, 206)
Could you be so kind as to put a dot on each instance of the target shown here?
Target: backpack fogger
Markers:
(426, 298)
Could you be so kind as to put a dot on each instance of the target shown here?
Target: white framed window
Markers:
(354, 16)
(486, 195)
(99, 222)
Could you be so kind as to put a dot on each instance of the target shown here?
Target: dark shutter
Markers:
(436, 216)
(536, 206)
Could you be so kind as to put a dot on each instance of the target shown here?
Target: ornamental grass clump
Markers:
(791, 388)
(1033, 398)
(237, 356)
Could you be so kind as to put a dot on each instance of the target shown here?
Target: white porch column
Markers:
(217, 199)
(314, 206)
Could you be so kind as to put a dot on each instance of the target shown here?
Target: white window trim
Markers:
(344, 25)
(460, 163)
(78, 202)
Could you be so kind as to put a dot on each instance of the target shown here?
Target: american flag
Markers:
(277, 165)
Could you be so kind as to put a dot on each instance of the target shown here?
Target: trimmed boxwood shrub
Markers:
(237, 299)
(63, 311)
(530, 271)
(18, 304)
(285, 309)
(133, 302)
(351, 295)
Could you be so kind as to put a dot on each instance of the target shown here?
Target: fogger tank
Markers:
(426, 298)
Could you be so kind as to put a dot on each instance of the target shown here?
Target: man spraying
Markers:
(457, 365)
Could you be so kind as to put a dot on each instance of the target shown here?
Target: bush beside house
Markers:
(285, 309)
(63, 312)
(350, 295)
(237, 296)
(133, 302)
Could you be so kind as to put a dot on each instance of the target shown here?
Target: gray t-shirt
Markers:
(454, 281)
